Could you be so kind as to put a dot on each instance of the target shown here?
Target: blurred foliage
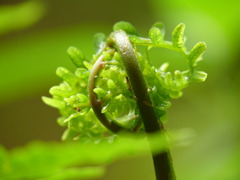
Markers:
(20, 16)
(37, 60)
(50, 161)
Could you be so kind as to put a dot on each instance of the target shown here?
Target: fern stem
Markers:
(162, 161)
(96, 105)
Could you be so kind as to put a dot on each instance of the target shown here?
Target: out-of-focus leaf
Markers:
(50, 161)
(28, 63)
(40, 160)
(87, 65)
(79, 173)
(20, 16)
(125, 26)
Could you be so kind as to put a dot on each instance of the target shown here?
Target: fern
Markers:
(112, 85)
(119, 90)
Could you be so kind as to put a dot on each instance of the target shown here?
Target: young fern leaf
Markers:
(53, 102)
(77, 101)
(66, 75)
(59, 91)
(178, 36)
(199, 76)
(196, 52)
(180, 80)
(156, 35)
(76, 56)
(87, 65)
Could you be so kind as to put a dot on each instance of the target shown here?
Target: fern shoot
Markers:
(119, 90)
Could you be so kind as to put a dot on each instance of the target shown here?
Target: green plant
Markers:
(119, 90)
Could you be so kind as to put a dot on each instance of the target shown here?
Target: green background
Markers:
(34, 37)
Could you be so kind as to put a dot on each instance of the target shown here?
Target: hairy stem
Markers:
(162, 161)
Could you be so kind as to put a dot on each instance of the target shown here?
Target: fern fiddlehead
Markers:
(121, 88)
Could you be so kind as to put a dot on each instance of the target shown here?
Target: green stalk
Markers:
(162, 161)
